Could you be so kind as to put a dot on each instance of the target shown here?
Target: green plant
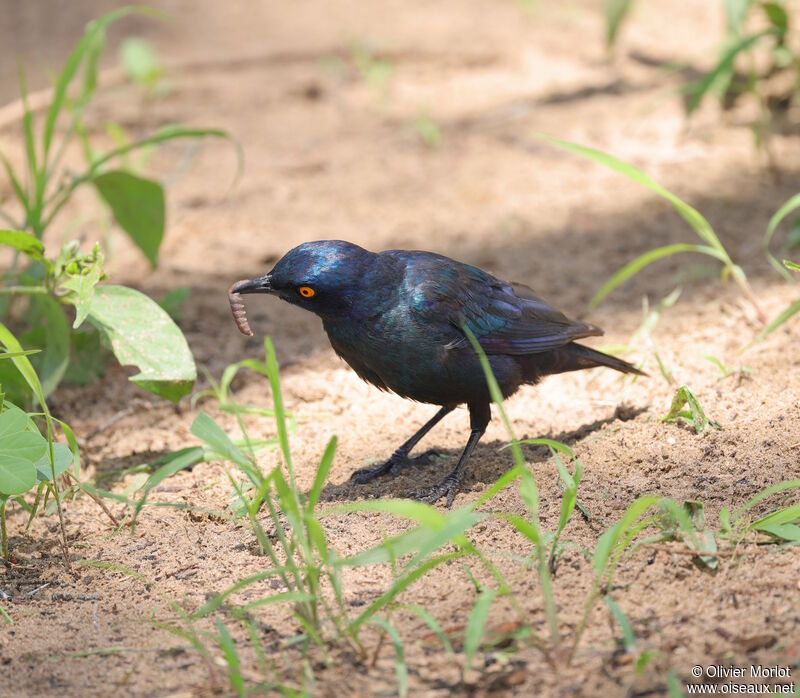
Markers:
(694, 415)
(141, 66)
(766, 56)
(711, 247)
(308, 579)
(27, 457)
(790, 311)
(777, 218)
(727, 371)
(136, 328)
(641, 340)
(375, 71)
(427, 130)
(137, 204)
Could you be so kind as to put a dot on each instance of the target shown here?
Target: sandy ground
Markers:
(328, 156)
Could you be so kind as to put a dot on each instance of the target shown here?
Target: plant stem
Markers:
(741, 279)
(24, 290)
(3, 534)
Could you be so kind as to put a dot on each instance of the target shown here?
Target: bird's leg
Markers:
(400, 457)
(479, 417)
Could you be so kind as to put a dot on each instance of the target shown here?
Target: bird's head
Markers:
(321, 276)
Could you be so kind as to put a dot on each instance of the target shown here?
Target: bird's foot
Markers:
(393, 466)
(447, 487)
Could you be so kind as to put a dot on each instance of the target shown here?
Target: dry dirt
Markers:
(328, 156)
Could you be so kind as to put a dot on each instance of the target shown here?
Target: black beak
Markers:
(261, 284)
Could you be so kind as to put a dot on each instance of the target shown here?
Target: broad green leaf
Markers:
(143, 335)
(52, 362)
(25, 243)
(777, 16)
(138, 206)
(20, 448)
(788, 207)
(62, 458)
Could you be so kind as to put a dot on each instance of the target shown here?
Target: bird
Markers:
(399, 319)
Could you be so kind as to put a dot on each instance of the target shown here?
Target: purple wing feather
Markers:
(506, 318)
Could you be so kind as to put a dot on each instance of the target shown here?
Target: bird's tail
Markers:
(574, 357)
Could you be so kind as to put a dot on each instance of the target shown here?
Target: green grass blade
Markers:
(773, 325)
(231, 658)
(616, 11)
(168, 133)
(628, 636)
(34, 210)
(725, 65)
(280, 597)
(400, 668)
(280, 415)
(212, 433)
(15, 183)
(407, 508)
(791, 265)
(430, 621)
(791, 205)
(691, 215)
(786, 515)
(608, 541)
(399, 586)
(322, 474)
(218, 599)
(93, 31)
(524, 527)
(636, 265)
(476, 624)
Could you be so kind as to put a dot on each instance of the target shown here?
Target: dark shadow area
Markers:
(488, 463)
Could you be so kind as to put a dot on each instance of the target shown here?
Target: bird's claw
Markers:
(448, 487)
(393, 466)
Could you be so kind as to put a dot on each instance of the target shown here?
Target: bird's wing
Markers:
(505, 318)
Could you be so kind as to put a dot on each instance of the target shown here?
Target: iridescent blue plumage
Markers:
(397, 319)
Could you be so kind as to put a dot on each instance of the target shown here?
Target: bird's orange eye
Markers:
(306, 291)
